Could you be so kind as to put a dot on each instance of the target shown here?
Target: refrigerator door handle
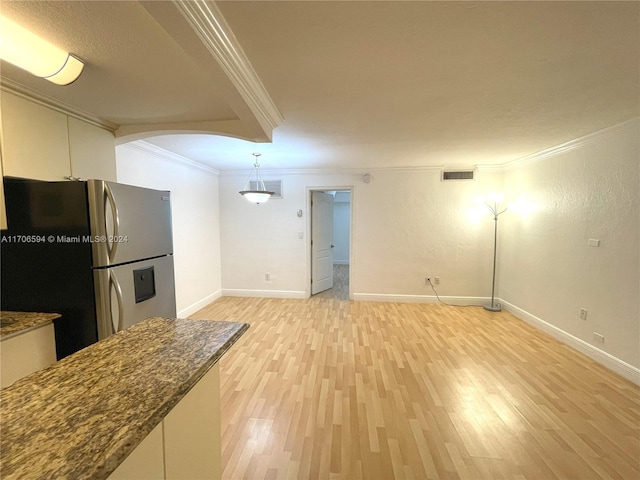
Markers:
(116, 286)
(113, 246)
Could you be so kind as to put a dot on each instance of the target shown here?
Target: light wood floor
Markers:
(333, 389)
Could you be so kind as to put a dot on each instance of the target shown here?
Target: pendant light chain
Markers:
(259, 182)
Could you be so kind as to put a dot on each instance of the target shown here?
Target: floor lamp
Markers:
(493, 203)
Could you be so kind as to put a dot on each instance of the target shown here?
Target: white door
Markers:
(321, 238)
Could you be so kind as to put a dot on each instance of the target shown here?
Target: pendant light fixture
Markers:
(256, 193)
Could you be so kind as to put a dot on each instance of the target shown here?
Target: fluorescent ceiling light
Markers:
(31, 53)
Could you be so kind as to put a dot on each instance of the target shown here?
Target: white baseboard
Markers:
(241, 292)
(199, 305)
(605, 359)
(386, 297)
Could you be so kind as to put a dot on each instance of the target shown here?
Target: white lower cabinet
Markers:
(26, 352)
(146, 462)
(192, 432)
(187, 444)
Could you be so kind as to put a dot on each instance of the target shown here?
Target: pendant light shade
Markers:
(256, 192)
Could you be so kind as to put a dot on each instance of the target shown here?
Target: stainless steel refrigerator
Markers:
(99, 253)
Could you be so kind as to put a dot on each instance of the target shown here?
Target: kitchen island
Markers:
(82, 417)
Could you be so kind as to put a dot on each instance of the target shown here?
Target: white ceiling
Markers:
(358, 84)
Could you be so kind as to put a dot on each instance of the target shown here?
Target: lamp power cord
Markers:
(445, 303)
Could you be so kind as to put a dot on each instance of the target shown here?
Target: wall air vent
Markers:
(274, 186)
(457, 175)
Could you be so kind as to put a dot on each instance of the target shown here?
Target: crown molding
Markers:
(334, 171)
(27, 93)
(489, 167)
(600, 135)
(206, 19)
(150, 149)
(631, 125)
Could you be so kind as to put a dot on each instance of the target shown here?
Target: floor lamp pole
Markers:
(494, 307)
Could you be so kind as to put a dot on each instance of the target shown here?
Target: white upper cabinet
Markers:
(3, 210)
(35, 138)
(44, 144)
(92, 150)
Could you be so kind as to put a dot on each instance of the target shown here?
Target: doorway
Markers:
(330, 246)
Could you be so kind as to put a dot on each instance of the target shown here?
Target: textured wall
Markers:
(409, 224)
(406, 224)
(260, 239)
(196, 223)
(547, 267)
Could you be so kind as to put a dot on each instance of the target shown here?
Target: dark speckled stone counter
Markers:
(81, 417)
(12, 323)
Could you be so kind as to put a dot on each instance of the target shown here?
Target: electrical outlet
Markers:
(427, 280)
(267, 277)
(583, 313)
(598, 337)
(437, 280)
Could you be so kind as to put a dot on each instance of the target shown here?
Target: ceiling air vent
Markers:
(457, 175)
(274, 186)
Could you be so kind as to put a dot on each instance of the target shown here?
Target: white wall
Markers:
(195, 214)
(341, 227)
(260, 239)
(410, 224)
(548, 272)
(406, 224)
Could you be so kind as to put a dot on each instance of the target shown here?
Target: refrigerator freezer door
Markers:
(128, 294)
(51, 270)
(128, 223)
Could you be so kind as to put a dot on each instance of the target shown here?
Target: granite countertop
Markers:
(81, 417)
(12, 323)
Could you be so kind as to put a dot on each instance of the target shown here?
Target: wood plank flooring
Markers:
(333, 389)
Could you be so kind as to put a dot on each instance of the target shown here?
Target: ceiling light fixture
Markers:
(256, 193)
(26, 50)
